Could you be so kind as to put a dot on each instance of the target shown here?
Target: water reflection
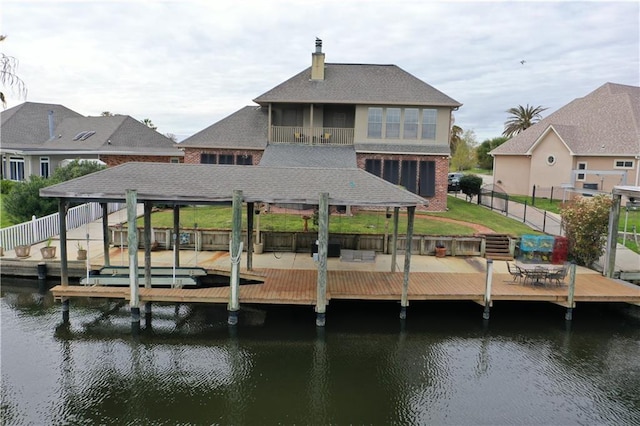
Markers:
(441, 366)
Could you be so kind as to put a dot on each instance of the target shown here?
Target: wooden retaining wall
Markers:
(301, 242)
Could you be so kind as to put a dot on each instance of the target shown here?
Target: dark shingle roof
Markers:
(428, 149)
(604, 122)
(245, 128)
(205, 183)
(114, 134)
(287, 155)
(27, 124)
(358, 84)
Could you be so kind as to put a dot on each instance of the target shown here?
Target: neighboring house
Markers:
(592, 143)
(376, 117)
(35, 138)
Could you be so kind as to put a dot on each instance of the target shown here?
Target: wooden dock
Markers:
(298, 287)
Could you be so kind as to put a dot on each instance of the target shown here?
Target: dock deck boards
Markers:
(298, 287)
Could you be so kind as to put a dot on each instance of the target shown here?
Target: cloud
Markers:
(188, 64)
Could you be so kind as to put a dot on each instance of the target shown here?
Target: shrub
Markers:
(470, 185)
(24, 200)
(6, 186)
(586, 222)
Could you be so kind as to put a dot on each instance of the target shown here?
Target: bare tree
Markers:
(9, 77)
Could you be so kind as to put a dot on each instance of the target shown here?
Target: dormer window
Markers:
(84, 135)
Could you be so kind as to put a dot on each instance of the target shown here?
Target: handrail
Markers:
(40, 229)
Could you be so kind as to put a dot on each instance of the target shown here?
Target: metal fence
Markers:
(533, 217)
(40, 229)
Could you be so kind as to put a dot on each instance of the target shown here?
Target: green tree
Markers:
(586, 222)
(74, 170)
(464, 156)
(470, 185)
(24, 200)
(485, 161)
(106, 114)
(521, 119)
(9, 77)
(456, 136)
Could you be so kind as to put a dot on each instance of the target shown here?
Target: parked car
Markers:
(454, 181)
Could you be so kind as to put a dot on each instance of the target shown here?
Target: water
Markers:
(444, 366)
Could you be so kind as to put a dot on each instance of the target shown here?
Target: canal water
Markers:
(443, 366)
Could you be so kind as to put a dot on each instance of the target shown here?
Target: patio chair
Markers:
(558, 276)
(515, 272)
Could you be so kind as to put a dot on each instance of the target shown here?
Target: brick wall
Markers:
(114, 160)
(437, 202)
(192, 155)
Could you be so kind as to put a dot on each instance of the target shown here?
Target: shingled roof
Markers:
(290, 155)
(604, 122)
(27, 124)
(117, 134)
(358, 84)
(206, 183)
(245, 128)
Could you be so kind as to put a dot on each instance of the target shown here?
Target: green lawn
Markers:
(367, 222)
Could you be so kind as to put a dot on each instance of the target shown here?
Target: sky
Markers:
(187, 64)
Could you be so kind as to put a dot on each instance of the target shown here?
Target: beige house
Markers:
(333, 115)
(590, 145)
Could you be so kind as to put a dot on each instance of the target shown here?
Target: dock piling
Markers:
(487, 290)
(65, 311)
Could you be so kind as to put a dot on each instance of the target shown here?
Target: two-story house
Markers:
(36, 138)
(375, 117)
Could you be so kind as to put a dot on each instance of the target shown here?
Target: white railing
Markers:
(312, 135)
(37, 230)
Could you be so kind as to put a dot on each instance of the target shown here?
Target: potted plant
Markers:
(22, 251)
(441, 249)
(48, 251)
(82, 252)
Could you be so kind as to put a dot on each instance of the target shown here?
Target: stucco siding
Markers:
(362, 124)
(511, 173)
(551, 162)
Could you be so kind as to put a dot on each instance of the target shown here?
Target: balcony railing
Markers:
(312, 135)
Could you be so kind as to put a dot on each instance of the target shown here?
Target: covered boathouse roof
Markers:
(207, 184)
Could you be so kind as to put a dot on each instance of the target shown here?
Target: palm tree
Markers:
(521, 118)
(8, 76)
(147, 122)
(456, 136)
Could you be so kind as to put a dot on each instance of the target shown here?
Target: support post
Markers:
(323, 249)
(64, 254)
(147, 244)
(487, 289)
(105, 233)
(407, 262)
(394, 238)
(250, 214)
(572, 288)
(147, 315)
(176, 235)
(236, 253)
(612, 236)
(65, 310)
(132, 241)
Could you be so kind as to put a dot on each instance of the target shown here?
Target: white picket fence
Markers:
(41, 229)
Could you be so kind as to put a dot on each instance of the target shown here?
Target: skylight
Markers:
(84, 135)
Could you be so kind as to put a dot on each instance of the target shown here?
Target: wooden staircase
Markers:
(497, 247)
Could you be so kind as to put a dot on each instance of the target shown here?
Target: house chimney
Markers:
(317, 62)
(51, 127)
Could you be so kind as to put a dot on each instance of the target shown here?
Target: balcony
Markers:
(311, 135)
